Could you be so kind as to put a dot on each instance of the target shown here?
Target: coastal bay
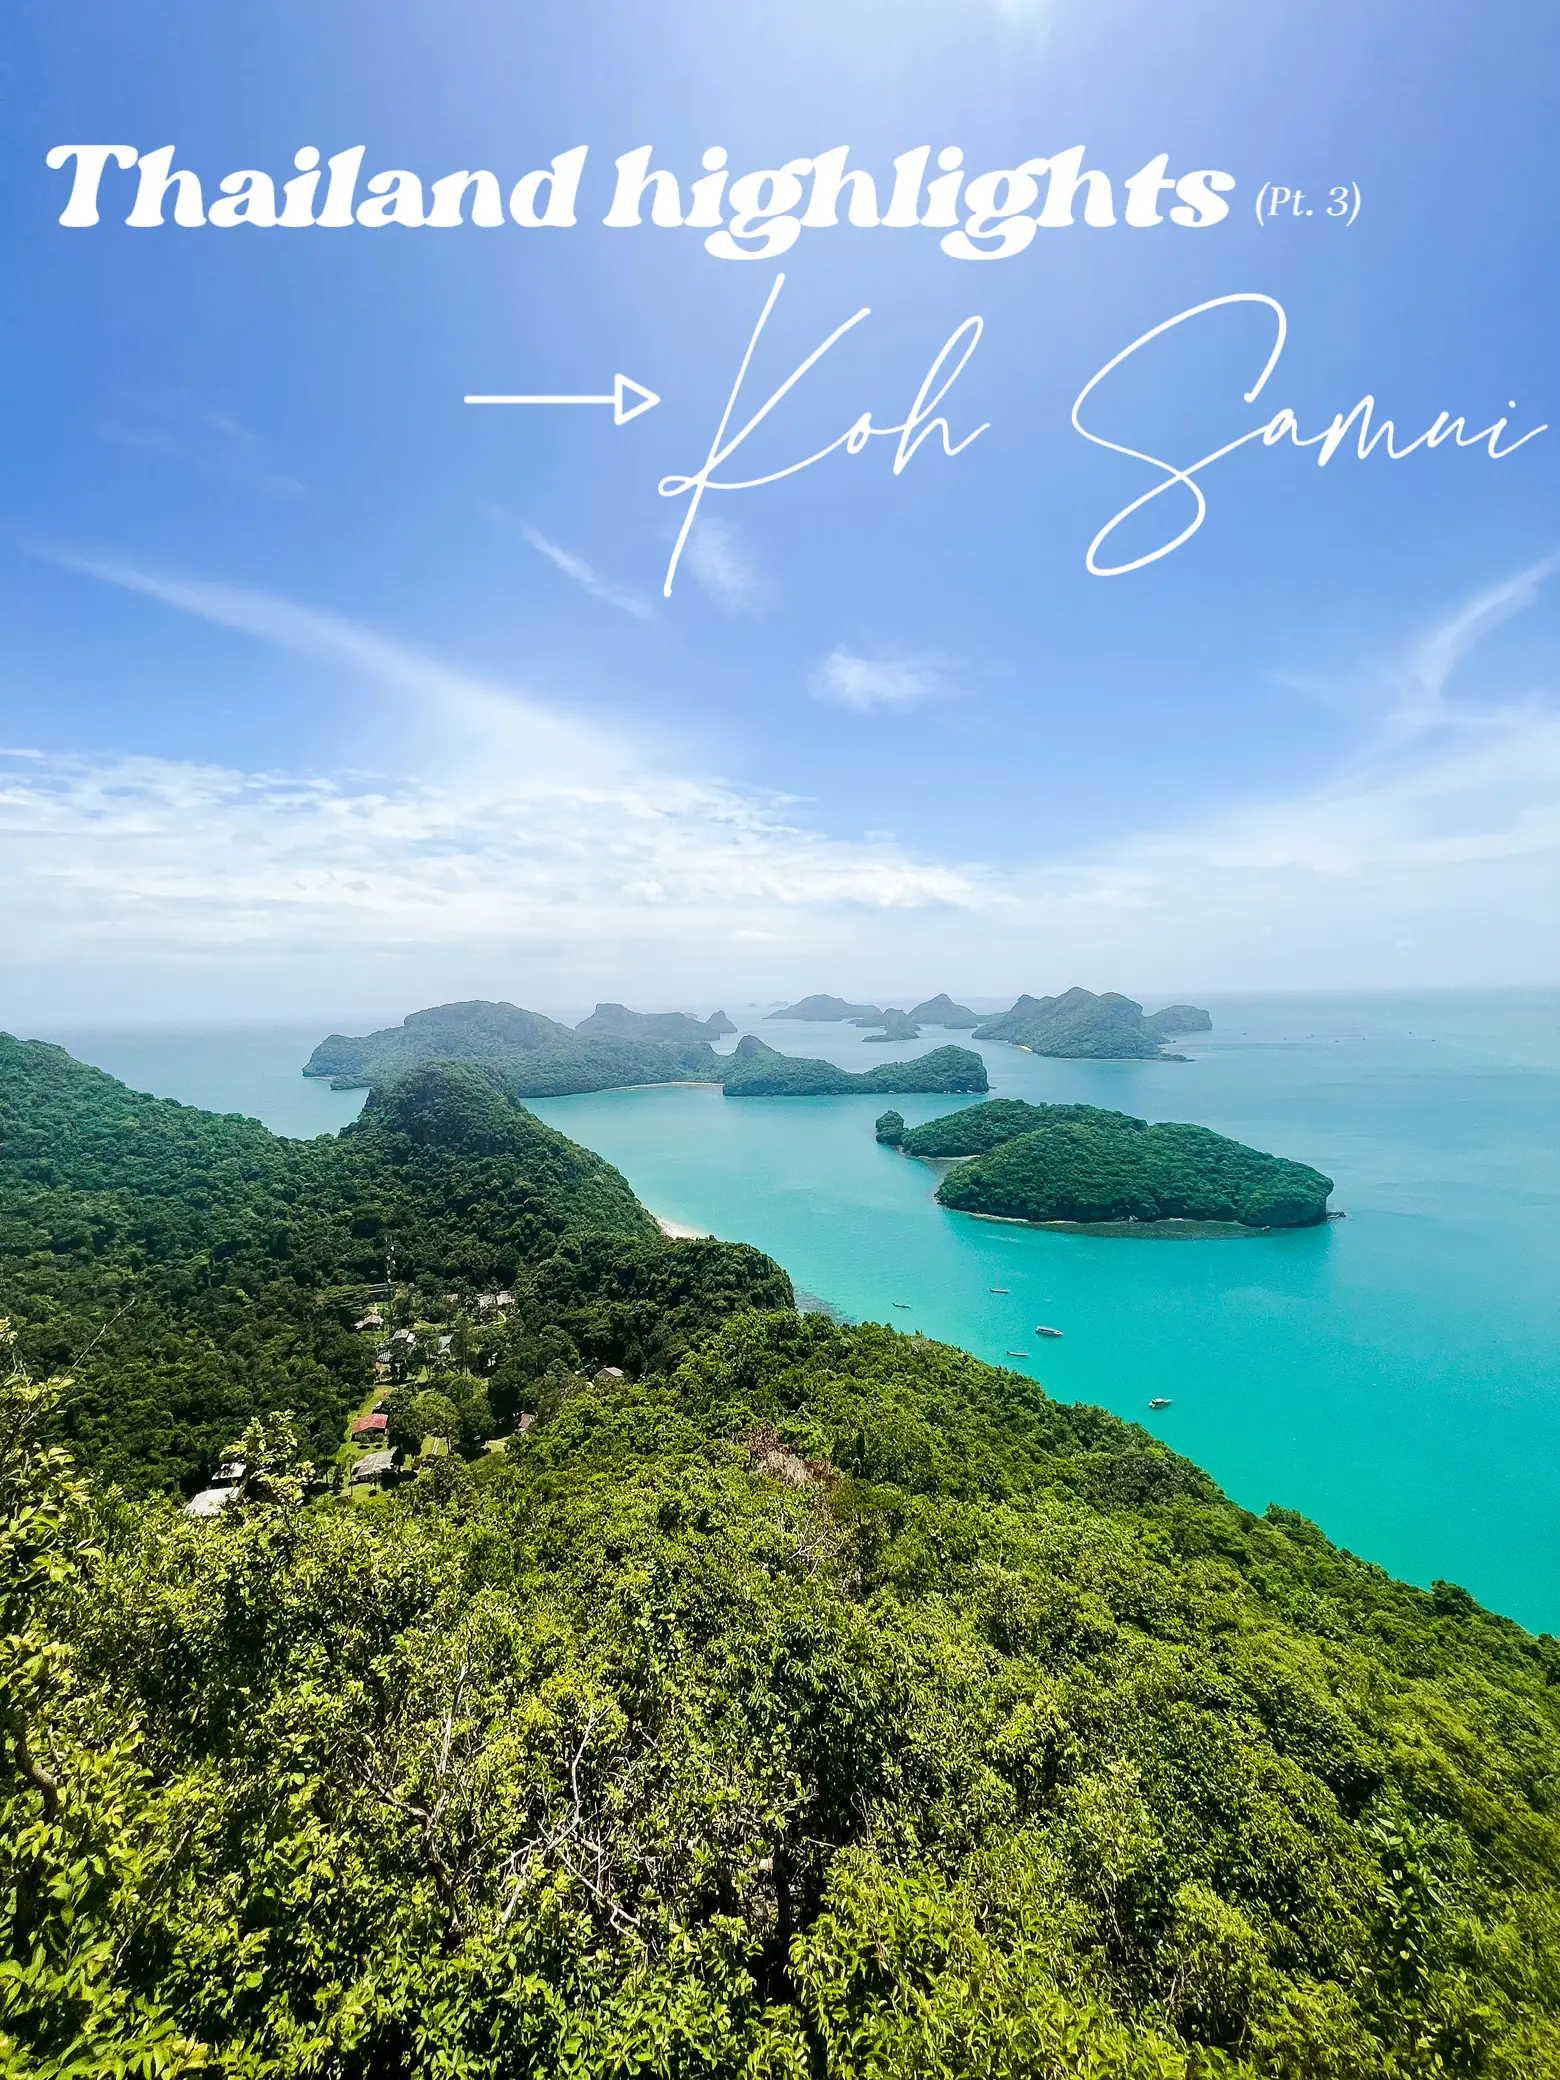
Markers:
(1395, 1375)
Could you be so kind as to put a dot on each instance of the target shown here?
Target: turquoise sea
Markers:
(1394, 1375)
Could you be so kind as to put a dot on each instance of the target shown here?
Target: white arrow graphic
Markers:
(623, 387)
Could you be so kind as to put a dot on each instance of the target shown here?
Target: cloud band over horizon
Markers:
(1433, 858)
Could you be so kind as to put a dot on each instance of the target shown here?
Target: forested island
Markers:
(1079, 1025)
(893, 1024)
(617, 1022)
(612, 1048)
(941, 1010)
(1084, 1164)
(935, 1011)
(757, 1071)
(890, 1025)
(786, 1699)
(822, 1010)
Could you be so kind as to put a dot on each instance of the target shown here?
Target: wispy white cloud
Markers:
(117, 867)
(717, 559)
(491, 727)
(1418, 689)
(1436, 864)
(582, 862)
(211, 442)
(531, 831)
(585, 576)
(865, 683)
(1431, 855)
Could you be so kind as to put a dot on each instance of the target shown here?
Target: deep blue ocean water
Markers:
(1395, 1375)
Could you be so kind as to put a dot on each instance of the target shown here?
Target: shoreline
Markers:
(807, 1301)
(671, 1083)
(1134, 1231)
(1023, 1047)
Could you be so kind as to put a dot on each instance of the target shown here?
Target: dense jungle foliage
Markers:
(757, 1071)
(836, 1705)
(196, 1271)
(799, 1702)
(980, 1128)
(1082, 1163)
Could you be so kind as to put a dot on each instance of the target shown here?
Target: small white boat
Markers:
(1160, 1401)
(1042, 1330)
(997, 1289)
(1017, 1354)
(900, 1303)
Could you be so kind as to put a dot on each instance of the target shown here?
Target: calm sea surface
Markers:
(1395, 1375)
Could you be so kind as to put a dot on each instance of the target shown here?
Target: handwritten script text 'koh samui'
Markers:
(924, 420)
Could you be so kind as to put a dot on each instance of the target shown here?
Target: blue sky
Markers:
(326, 692)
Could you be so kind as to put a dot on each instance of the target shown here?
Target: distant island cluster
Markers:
(1077, 1026)
(1070, 1165)
(616, 1048)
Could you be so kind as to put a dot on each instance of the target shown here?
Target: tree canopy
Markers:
(757, 1071)
(793, 1699)
(197, 1270)
(1084, 1163)
(980, 1128)
(833, 1703)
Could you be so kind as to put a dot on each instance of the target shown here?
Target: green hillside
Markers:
(196, 1271)
(836, 1705)
(799, 1701)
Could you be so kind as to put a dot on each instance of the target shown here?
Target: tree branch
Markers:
(35, 1773)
